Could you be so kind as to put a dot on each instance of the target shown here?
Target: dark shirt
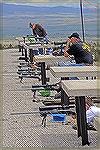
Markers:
(39, 31)
(80, 54)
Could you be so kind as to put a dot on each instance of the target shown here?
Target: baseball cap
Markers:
(74, 35)
(31, 24)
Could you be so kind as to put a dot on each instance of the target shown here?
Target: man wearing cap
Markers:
(38, 30)
(80, 52)
(40, 34)
(76, 48)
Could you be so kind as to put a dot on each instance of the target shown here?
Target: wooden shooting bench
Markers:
(29, 48)
(25, 45)
(44, 59)
(28, 52)
(73, 71)
(80, 89)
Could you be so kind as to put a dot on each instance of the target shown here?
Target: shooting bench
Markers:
(46, 59)
(80, 89)
(29, 49)
(27, 45)
(57, 112)
(73, 71)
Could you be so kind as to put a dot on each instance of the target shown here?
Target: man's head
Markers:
(74, 37)
(32, 25)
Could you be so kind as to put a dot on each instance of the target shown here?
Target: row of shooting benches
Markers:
(86, 83)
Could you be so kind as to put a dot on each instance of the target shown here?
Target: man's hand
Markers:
(66, 54)
(68, 40)
(67, 47)
(33, 66)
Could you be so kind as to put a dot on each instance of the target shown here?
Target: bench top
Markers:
(73, 71)
(81, 87)
(29, 45)
(51, 58)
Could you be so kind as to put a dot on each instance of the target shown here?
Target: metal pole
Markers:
(82, 20)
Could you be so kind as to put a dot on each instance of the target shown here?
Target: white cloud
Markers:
(41, 1)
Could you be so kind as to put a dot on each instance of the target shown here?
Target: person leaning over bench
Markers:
(78, 49)
(38, 31)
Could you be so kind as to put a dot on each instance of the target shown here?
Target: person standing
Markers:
(38, 30)
(40, 35)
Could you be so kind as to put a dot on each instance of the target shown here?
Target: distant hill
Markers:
(59, 21)
(25, 9)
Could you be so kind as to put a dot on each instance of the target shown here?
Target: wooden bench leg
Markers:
(78, 116)
(83, 123)
(43, 73)
(64, 98)
(22, 51)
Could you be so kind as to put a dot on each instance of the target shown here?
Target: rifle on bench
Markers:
(44, 111)
(29, 76)
(45, 86)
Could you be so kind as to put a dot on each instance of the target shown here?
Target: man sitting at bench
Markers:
(79, 50)
(92, 112)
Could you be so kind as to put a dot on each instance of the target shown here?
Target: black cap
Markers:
(74, 35)
(30, 24)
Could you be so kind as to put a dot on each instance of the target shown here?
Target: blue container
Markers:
(41, 51)
(35, 52)
(58, 117)
(49, 51)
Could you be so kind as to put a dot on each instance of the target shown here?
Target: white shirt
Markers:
(91, 113)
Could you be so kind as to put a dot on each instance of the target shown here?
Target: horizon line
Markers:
(49, 4)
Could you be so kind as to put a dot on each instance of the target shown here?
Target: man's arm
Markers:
(65, 52)
(66, 48)
(42, 30)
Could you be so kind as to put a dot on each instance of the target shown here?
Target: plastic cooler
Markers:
(58, 117)
(44, 93)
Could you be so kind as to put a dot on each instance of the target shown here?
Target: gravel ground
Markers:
(21, 131)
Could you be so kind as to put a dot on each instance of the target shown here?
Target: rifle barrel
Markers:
(55, 110)
(60, 43)
(24, 113)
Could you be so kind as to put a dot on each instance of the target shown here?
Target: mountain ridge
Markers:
(11, 8)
